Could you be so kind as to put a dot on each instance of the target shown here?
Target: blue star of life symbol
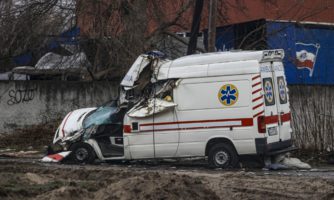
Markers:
(228, 95)
(269, 92)
(282, 91)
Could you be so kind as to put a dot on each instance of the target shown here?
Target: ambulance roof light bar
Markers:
(273, 54)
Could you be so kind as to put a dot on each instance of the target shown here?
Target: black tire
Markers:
(223, 155)
(82, 153)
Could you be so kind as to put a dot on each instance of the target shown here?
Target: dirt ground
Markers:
(29, 179)
(22, 176)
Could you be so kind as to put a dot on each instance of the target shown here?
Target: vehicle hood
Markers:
(71, 123)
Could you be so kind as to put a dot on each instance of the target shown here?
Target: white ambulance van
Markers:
(217, 105)
(225, 105)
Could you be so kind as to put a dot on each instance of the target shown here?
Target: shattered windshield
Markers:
(102, 115)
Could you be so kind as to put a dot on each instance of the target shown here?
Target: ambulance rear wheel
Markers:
(223, 156)
(82, 153)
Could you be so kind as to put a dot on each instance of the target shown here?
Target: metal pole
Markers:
(192, 45)
(212, 26)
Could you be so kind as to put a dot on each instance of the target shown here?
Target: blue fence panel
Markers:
(225, 38)
(23, 60)
(69, 37)
(308, 51)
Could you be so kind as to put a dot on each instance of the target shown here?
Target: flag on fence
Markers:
(306, 55)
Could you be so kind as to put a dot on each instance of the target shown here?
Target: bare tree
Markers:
(27, 26)
(121, 30)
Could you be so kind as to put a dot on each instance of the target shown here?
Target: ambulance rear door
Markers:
(270, 102)
(282, 101)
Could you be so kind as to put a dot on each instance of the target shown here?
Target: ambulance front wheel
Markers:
(82, 153)
(223, 156)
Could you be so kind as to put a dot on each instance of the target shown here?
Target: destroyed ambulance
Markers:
(216, 105)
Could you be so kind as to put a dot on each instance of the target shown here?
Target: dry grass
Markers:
(312, 116)
(31, 137)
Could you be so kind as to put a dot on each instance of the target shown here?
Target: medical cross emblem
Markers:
(282, 90)
(281, 87)
(228, 95)
(269, 91)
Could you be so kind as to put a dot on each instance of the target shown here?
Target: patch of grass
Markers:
(32, 137)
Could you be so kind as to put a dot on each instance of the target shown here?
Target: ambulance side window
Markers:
(269, 93)
(283, 97)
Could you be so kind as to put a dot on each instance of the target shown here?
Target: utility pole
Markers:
(192, 45)
(212, 26)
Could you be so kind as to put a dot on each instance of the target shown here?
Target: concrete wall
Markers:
(24, 103)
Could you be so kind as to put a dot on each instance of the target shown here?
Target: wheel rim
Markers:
(81, 154)
(221, 158)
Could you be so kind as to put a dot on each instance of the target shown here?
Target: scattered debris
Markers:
(6, 150)
(56, 157)
(56, 61)
(284, 161)
(53, 66)
(12, 76)
(276, 166)
(21, 154)
(295, 163)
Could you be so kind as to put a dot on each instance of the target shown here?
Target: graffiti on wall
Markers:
(22, 94)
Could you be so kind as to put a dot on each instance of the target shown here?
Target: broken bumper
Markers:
(57, 157)
(263, 148)
(58, 147)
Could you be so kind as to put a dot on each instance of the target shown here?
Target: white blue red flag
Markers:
(306, 55)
